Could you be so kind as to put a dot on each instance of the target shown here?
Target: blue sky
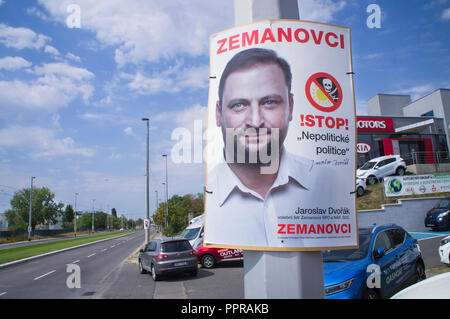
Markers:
(72, 99)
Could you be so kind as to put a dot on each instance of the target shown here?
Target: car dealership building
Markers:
(418, 131)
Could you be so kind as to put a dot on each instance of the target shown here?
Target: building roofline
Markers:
(422, 97)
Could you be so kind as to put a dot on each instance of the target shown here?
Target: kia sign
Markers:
(281, 144)
(363, 148)
(375, 124)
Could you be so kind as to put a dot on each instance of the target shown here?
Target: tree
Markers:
(179, 207)
(68, 217)
(44, 207)
(15, 222)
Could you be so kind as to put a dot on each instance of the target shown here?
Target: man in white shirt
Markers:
(248, 199)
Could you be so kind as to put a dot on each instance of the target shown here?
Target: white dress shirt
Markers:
(239, 216)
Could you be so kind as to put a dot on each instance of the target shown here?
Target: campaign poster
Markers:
(280, 151)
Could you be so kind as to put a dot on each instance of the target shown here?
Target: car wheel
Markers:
(370, 294)
(360, 191)
(141, 269)
(155, 276)
(371, 180)
(400, 171)
(208, 261)
(420, 271)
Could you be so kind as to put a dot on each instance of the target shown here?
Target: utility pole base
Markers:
(283, 275)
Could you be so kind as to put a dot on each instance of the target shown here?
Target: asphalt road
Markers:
(47, 277)
(108, 272)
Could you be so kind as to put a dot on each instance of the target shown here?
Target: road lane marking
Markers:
(76, 261)
(3, 293)
(50, 272)
(105, 249)
(91, 255)
(113, 246)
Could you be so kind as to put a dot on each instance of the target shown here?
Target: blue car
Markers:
(388, 259)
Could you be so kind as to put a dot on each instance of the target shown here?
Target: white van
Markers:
(194, 232)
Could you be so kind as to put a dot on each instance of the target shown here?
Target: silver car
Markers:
(167, 256)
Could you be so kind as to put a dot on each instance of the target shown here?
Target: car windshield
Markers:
(174, 246)
(368, 165)
(445, 203)
(190, 233)
(349, 254)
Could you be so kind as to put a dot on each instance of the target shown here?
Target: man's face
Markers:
(255, 98)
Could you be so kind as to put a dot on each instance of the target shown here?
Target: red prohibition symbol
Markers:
(324, 92)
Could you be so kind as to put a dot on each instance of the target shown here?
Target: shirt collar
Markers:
(291, 167)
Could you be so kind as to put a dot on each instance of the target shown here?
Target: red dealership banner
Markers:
(375, 124)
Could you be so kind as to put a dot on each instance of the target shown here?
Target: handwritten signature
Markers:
(327, 162)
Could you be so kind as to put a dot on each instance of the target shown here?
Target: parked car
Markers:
(167, 256)
(379, 167)
(436, 287)
(444, 250)
(208, 257)
(360, 187)
(438, 217)
(387, 260)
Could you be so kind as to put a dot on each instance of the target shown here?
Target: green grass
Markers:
(12, 254)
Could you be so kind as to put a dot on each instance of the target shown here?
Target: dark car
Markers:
(167, 256)
(388, 259)
(438, 218)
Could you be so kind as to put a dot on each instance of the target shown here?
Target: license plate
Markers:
(180, 264)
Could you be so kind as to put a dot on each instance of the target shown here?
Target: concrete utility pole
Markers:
(278, 274)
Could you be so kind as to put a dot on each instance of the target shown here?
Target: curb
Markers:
(11, 263)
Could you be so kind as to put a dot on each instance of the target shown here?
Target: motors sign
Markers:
(375, 124)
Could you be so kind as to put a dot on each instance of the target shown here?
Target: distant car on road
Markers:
(438, 218)
(379, 167)
(167, 256)
(387, 260)
(360, 187)
(208, 257)
(444, 250)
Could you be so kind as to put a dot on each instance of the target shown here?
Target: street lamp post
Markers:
(75, 211)
(147, 212)
(93, 215)
(167, 193)
(31, 208)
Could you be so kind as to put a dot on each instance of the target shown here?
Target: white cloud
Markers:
(51, 50)
(150, 30)
(172, 80)
(129, 131)
(446, 14)
(320, 10)
(14, 63)
(38, 142)
(22, 38)
(417, 91)
(73, 57)
(56, 85)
